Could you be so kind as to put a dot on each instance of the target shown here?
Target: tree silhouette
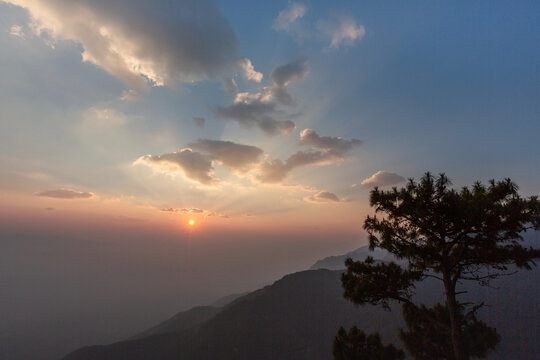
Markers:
(355, 345)
(474, 234)
(428, 340)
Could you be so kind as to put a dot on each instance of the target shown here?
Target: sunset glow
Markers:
(199, 148)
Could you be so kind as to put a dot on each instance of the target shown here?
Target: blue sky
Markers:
(424, 86)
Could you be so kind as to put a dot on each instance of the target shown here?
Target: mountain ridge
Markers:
(298, 315)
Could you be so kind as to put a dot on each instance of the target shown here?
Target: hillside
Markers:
(298, 316)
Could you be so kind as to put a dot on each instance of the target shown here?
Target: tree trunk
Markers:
(455, 321)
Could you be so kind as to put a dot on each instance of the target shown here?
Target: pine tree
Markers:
(355, 345)
(474, 234)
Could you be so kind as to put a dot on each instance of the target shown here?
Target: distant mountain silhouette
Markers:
(182, 321)
(298, 316)
(226, 300)
(338, 262)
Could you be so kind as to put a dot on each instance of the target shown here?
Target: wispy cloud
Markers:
(184, 210)
(65, 194)
(289, 15)
(17, 31)
(205, 213)
(256, 113)
(230, 85)
(342, 30)
(199, 121)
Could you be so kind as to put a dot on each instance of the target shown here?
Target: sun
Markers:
(191, 222)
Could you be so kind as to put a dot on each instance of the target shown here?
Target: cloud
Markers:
(338, 144)
(248, 71)
(199, 121)
(323, 197)
(264, 95)
(256, 113)
(193, 210)
(383, 178)
(342, 31)
(289, 15)
(260, 108)
(103, 117)
(283, 75)
(17, 31)
(328, 150)
(272, 171)
(235, 156)
(140, 42)
(230, 85)
(198, 165)
(65, 194)
(275, 170)
(184, 210)
(213, 213)
(195, 166)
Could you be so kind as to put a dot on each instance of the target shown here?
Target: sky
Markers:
(267, 123)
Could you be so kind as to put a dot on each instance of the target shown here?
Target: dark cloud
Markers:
(283, 75)
(65, 194)
(256, 113)
(275, 171)
(199, 121)
(198, 165)
(233, 155)
(338, 144)
(194, 165)
(260, 108)
(328, 150)
(383, 178)
(138, 41)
